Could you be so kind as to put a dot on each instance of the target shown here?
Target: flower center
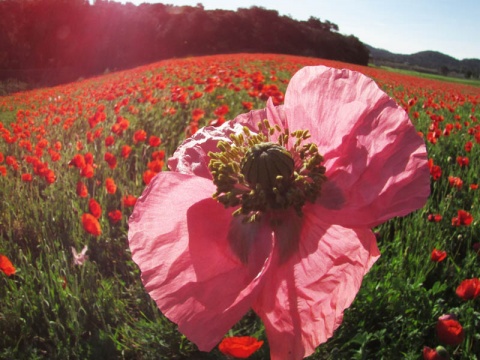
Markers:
(259, 175)
(267, 165)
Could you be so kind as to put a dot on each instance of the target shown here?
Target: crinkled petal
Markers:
(275, 114)
(179, 238)
(303, 300)
(191, 157)
(376, 162)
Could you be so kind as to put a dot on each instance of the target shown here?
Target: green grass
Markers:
(463, 81)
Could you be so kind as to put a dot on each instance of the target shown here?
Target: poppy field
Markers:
(75, 158)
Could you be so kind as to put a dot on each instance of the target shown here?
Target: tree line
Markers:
(52, 41)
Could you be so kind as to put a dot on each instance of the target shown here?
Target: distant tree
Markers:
(444, 70)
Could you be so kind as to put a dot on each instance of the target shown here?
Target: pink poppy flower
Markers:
(287, 231)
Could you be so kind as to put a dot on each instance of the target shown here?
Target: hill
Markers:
(426, 61)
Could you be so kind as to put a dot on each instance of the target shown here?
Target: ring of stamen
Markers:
(257, 175)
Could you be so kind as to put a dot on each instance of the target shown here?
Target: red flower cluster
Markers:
(435, 170)
(434, 217)
(463, 218)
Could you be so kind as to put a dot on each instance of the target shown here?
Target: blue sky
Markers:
(401, 26)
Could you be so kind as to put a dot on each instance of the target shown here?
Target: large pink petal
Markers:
(376, 162)
(179, 238)
(303, 300)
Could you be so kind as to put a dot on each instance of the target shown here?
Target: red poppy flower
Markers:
(6, 265)
(129, 200)
(12, 162)
(155, 165)
(217, 122)
(115, 216)
(139, 135)
(27, 177)
(110, 185)
(50, 176)
(111, 160)
(196, 95)
(197, 114)
(87, 171)
(126, 150)
(438, 255)
(463, 218)
(82, 190)
(3, 170)
(469, 289)
(89, 158)
(54, 156)
(468, 146)
(148, 175)
(221, 110)
(247, 105)
(158, 155)
(462, 161)
(473, 186)
(240, 347)
(449, 330)
(91, 224)
(109, 140)
(154, 141)
(94, 208)
(455, 182)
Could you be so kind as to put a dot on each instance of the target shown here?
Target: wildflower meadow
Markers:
(75, 158)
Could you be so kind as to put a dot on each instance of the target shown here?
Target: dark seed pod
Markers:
(264, 163)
